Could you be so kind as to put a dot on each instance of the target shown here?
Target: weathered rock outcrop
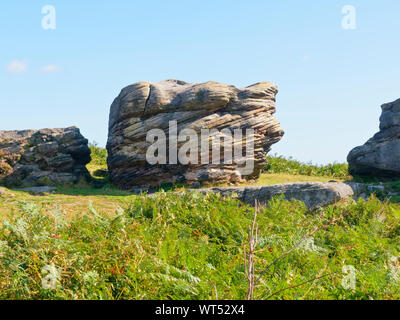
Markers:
(313, 194)
(43, 157)
(144, 106)
(380, 156)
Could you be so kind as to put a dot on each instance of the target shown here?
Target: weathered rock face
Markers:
(314, 194)
(380, 156)
(43, 157)
(144, 106)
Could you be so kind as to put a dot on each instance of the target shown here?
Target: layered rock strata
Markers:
(177, 115)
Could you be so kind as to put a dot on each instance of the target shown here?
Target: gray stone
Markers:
(144, 106)
(2, 191)
(373, 188)
(380, 155)
(43, 189)
(43, 157)
(314, 194)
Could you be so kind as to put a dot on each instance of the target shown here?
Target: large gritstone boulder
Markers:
(169, 132)
(380, 156)
(43, 157)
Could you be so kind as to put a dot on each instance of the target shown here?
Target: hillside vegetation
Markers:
(103, 243)
(280, 164)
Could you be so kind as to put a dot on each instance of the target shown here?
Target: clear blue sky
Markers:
(332, 81)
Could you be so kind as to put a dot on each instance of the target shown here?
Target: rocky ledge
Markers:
(144, 106)
(380, 155)
(43, 157)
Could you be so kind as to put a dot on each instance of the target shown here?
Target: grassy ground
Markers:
(276, 178)
(91, 243)
(76, 199)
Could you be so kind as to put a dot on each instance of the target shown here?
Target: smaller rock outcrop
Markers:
(43, 157)
(314, 194)
(380, 155)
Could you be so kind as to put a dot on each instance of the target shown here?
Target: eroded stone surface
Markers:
(144, 106)
(43, 157)
(380, 155)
